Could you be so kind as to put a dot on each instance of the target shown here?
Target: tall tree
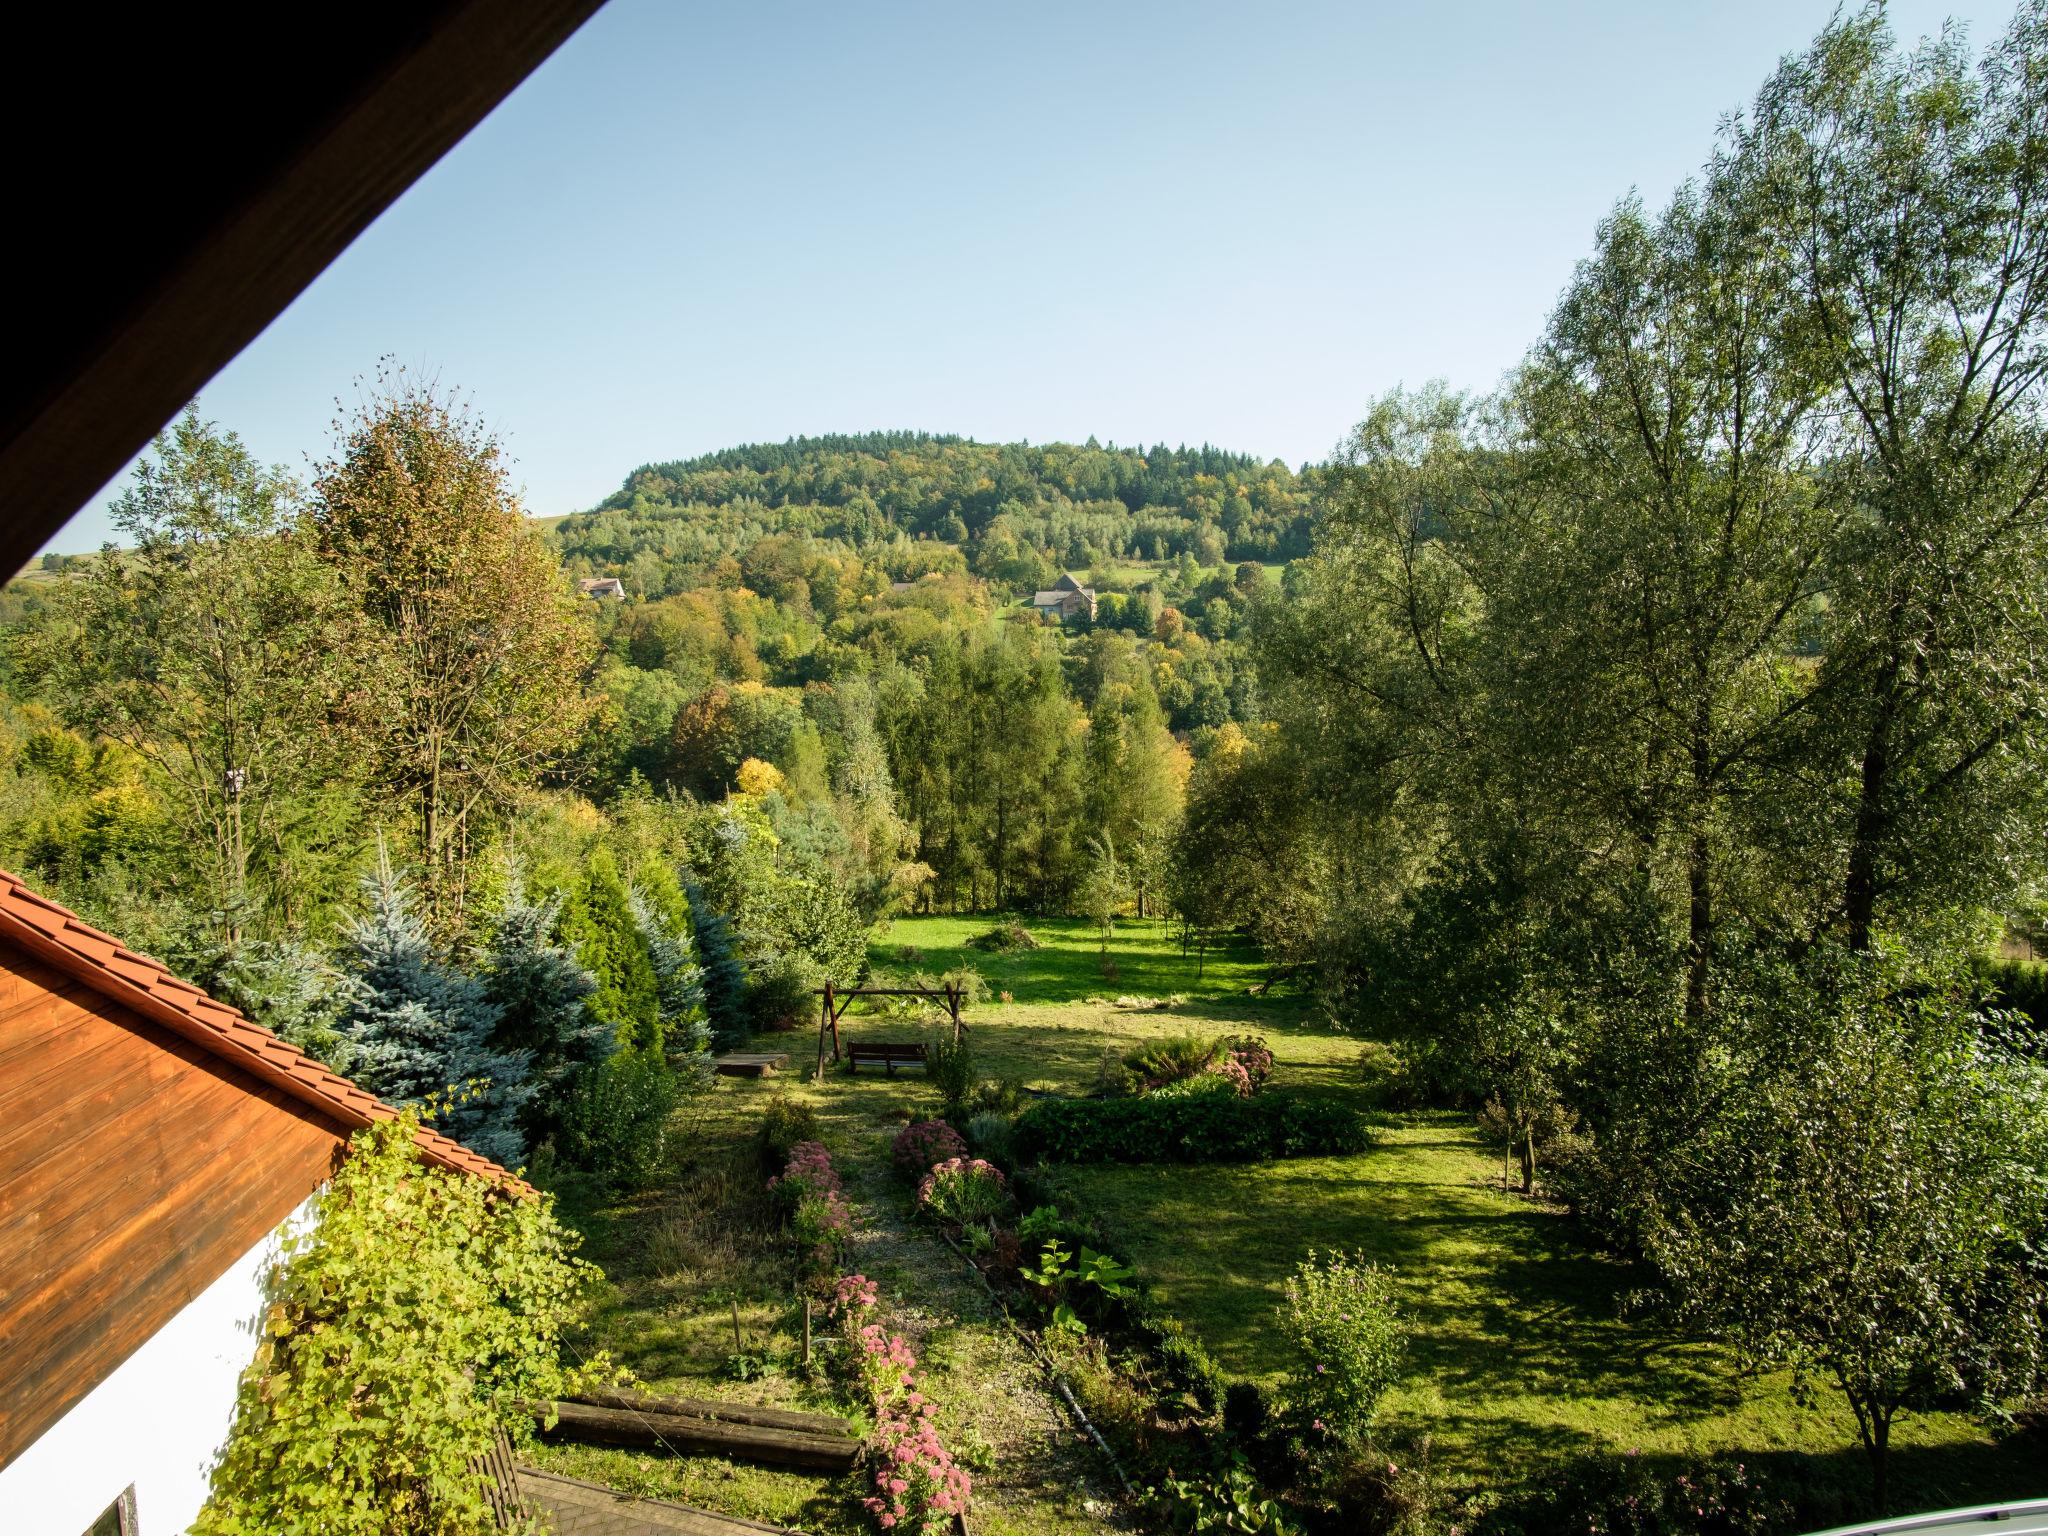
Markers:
(476, 650)
(1909, 201)
(218, 650)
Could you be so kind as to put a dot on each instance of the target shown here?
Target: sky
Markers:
(705, 224)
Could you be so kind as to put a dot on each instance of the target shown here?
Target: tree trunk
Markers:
(1529, 1160)
(1859, 886)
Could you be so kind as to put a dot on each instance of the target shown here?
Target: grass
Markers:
(1068, 968)
(1524, 1350)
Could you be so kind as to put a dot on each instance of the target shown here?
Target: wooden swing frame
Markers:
(833, 1001)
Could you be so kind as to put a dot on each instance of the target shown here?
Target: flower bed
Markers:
(807, 1189)
(923, 1143)
(916, 1485)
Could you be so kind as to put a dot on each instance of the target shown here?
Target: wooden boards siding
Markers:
(135, 1168)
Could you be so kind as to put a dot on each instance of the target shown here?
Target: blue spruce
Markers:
(412, 1026)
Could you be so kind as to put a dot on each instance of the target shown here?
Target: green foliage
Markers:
(541, 991)
(599, 924)
(1345, 1329)
(1223, 1497)
(1158, 1062)
(1642, 1496)
(2021, 985)
(784, 1123)
(614, 1122)
(1005, 938)
(950, 1069)
(988, 1133)
(964, 1190)
(1870, 1210)
(414, 1026)
(1208, 1129)
(417, 1315)
(724, 980)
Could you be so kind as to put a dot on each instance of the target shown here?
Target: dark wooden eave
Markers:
(179, 175)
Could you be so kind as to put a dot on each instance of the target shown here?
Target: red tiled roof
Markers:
(57, 937)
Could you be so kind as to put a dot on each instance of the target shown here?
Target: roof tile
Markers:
(122, 974)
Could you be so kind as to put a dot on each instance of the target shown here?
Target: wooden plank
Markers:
(683, 1435)
(714, 1408)
(579, 1508)
(749, 1064)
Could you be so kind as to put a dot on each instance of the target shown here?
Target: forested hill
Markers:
(1021, 512)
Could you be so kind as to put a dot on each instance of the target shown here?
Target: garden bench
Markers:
(891, 1056)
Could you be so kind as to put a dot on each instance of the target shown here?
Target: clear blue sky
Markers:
(704, 224)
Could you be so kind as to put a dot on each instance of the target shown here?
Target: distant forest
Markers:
(1020, 513)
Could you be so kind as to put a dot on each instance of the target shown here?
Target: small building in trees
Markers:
(601, 587)
(1066, 599)
(153, 1144)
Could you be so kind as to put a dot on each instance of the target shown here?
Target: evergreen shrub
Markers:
(1211, 1128)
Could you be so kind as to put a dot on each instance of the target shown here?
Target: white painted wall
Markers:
(155, 1422)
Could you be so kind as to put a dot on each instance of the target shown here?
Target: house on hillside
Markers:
(152, 1144)
(601, 587)
(1065, 600)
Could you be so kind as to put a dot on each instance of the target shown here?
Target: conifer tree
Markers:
(723, 980)
(540, 989)
(598, 924)
(412, 1026)
(678, 979)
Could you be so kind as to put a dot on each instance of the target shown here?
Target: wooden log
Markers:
(715, 1409)
(687, 1435)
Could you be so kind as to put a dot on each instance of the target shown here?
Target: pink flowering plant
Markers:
(918, 1486)
(924, 1142)
(964, 1190)
(882, 1362)
(1252, 1057)
(1345, 1329)
(808, 1191)
(854, 1294)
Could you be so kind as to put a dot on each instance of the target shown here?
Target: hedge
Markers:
(1210, 1129)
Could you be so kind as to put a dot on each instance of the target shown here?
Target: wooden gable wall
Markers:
(135, 1168)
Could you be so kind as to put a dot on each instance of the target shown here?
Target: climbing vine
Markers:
(403, 1325)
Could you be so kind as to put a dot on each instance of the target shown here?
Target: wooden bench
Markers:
(891, 1056)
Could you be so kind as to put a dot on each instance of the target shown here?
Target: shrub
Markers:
(1113, 1079)
(881, 1360)
(918, 1486)
(807, 1189)
(779, 994)
(615, 1121)
(965, 1190)
(1253, 1056)
(784, 1123)
(1004, 938)
(1211, 1128)
(1206, 1084)
(1158, 1062)
(2021, 985)
(403, 1326)
(1635, 1495)
(989, 1134)
(1223, 1497)
(809, 1171)
(1342, 1321)
(997, 1095)
(923, 1143)
(949, 1067)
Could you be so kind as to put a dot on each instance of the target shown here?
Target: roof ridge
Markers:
(103, 962)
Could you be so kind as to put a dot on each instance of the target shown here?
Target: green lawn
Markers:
(1070, 967)
(1521, 1352)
